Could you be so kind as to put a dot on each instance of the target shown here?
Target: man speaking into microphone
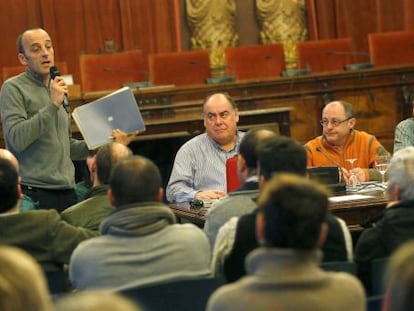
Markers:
(340, 141)
(36, 126)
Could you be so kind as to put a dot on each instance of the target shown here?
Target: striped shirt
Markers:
(404, 134)
(200, 164)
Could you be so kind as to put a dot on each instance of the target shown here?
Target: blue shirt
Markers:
(200, 164)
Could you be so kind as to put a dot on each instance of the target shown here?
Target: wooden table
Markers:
(353, 212)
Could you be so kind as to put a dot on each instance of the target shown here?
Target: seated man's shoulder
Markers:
(234, 204)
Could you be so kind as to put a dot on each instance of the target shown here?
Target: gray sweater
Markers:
(38, 133)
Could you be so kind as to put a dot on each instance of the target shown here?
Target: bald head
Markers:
(7, 155)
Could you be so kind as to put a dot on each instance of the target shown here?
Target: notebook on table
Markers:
(117, 110)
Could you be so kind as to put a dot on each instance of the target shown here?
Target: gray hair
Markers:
(401, 172)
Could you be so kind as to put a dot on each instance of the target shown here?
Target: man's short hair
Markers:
(106, 157)
(294, 209)
(401, 172)
(9, 180)
(135, 179)
(226, 95)
(349, 110)
(280, 154)
(248, 145)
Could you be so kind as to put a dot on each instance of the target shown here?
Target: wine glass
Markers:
(381, 164)
(353, 179)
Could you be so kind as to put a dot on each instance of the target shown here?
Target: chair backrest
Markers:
(232, 178)
(108, 72)
(324, 55)
(391, 48)
(255, 61)
(340, 266)
(378, 267)
(11, 71)
(179, 68)
(181, 295)
(374, 303)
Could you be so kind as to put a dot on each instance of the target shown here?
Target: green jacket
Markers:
(89, 212)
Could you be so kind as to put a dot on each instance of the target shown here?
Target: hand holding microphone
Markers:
(58, 89)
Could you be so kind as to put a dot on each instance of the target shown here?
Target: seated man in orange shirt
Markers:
(340, 141)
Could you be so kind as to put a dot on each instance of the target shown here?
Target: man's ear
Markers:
(19, 189)
(160, 195)
(22, 59)
(323, 233)
(241, 163)
(260, 228)
(111, 197)
(352, 122)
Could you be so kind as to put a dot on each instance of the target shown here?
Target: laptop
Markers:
(117, 110)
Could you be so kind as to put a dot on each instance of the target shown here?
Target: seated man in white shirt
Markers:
(199, 170)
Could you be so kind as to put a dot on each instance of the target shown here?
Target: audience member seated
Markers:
(404, 133)
(399, 279)
(26, 204)
(236, 238)
(241, 201)
(284, 273)
(42, 233)
(141, 242)
(396, 225)
(199, 170)
(96, 206)
(95, 301)
(22, 282)
(340, 141)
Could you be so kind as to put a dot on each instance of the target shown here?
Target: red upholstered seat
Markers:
(325, 55)
(232, 178)
(391, 48)
(12, 71)
(179, 68)
(101, 72)
(255, 61)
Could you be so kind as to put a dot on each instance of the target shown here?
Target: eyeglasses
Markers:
(334, 122)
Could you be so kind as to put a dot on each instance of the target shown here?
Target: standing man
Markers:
(199, 170)
(340, 141)
(37, 128)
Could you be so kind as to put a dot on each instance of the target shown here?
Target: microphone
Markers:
(319, 149)
(54, 72)
(357, 66)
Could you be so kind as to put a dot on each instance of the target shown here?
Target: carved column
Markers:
(212, 25)
(283, 21)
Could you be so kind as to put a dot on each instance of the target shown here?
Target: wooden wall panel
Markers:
(16, 15)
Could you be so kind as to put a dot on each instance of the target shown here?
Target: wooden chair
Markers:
(11, 71)
(179, 68)
(108, 72)
(325, 55)
(391, 48)
(255, 61)
(232, 178)
(181, 295)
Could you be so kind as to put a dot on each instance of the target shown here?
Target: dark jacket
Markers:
(334, 248)
(44, 235)
(394, 227)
